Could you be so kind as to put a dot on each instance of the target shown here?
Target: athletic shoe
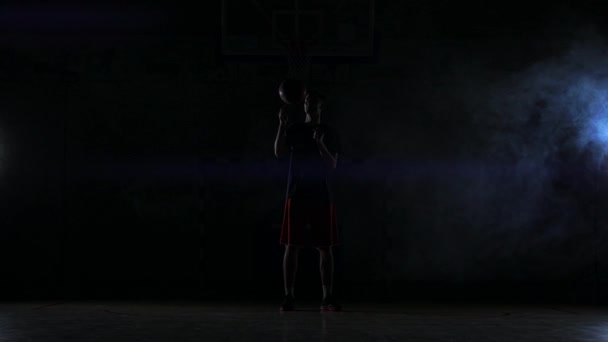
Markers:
(330, 304)
(288, 303)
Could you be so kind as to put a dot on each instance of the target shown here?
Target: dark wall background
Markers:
(136, 162)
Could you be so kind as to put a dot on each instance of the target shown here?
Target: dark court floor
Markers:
(199, 321)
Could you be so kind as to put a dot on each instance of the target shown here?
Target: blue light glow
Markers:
(593, 118)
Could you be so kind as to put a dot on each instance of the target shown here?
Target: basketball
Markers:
(292, 91)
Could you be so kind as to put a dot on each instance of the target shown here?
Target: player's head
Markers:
(314, 103)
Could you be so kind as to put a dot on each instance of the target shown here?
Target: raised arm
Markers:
(280, 143)
(331, 159)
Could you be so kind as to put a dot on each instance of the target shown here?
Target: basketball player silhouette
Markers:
(309, 217)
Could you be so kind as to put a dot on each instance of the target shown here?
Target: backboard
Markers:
(339, 29)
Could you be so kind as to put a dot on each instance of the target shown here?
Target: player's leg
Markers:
(326, 265)
(326, 257)
(327, 237)
(290, 267)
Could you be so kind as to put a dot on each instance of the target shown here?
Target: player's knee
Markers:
(291, 249)
(324, 250)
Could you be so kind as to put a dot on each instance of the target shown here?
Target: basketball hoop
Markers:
(266, 30)
(298, 60)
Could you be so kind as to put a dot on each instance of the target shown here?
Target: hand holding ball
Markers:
(292, 91)
(283, 114)
(318, 135)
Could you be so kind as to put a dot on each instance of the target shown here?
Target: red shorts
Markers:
(309, 223)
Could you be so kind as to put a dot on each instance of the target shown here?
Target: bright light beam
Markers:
(594, 125)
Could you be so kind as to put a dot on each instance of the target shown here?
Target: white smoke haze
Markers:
(496, 206)
(554, 105)
(3, 152)
(492, 161)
